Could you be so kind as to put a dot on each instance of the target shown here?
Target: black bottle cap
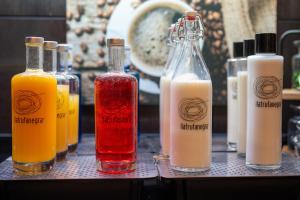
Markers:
(238, 49)
(248, 47)
(265, 43)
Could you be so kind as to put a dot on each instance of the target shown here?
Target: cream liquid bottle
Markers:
(242, 112)
(242, 74)
(265, 74)
(164, 103)
(232, 104)
(191, 104)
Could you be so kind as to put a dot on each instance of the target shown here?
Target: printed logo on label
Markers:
(267, 87)
(192, 109)
(60, 100)
(27, 102)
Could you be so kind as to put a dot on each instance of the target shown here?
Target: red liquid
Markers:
(116, 122)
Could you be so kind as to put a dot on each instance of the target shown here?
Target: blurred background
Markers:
(87, 23)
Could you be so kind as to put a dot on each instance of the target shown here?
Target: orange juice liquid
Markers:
(62, 106)
(33, 117)
(73, 119)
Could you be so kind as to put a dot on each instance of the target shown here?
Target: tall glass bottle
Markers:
(62, 102)
(136, 74)
(232, 104)
(73, 115)
(191, 104)
(78, 74)
(164, 98)
(33, 114)
(116, 114)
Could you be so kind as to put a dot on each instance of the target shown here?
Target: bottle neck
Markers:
(266, 54)
(116, 59)
(50, 60)
(192, 30)
(34, 57)
(63, 62)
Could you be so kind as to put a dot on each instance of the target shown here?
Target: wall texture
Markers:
(19, 18)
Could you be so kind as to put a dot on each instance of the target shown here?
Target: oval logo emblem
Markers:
(267, 87)
(192, 109)
(60, 100)
(27, 102)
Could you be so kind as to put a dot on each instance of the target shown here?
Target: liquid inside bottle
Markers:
(164, 98)
(73, 114)
(191, 104)
(33, 114)
(232, 96)
(116, 115)
(62, 101)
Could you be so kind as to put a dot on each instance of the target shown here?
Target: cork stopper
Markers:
(50, 45)
(116, 42)
(191, 15)
(34, 40)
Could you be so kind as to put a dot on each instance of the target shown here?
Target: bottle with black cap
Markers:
(232, 95)
(248, 50)
(265, 74)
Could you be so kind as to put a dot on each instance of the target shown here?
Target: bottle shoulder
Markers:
(34, 75)
(71, 76)
(115, 76)
(265, 57)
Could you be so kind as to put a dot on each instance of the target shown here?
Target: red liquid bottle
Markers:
(116, 114)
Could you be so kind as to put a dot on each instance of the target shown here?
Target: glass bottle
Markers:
(164, 98)
(116, 114)
(73, 115)
(242, 74)
(294, 129)
(78, 74)
(62, 102)
(136, 74)
(296, 67)
(33, 114)
(191, 104)
(232, 104)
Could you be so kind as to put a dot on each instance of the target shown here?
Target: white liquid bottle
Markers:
(191, 104)
(248, 50)
(232, 104)
(164, 98)
(265, 74)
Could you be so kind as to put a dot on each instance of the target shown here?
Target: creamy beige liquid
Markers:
(232, 110)
(191, 119)
(164, 109)
(242, 111)
(265, 73)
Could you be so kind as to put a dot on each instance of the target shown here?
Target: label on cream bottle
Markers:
(190, 123)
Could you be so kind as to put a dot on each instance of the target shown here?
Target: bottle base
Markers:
(189, 169)
(72, 148)
(263, 167)
(115, 167)
(231, 146)
(241, 155)
(33, 168)
(61, 156)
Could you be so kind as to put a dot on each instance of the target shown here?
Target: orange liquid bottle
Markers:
(73, 115)
(33, 114)
(62, 101)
